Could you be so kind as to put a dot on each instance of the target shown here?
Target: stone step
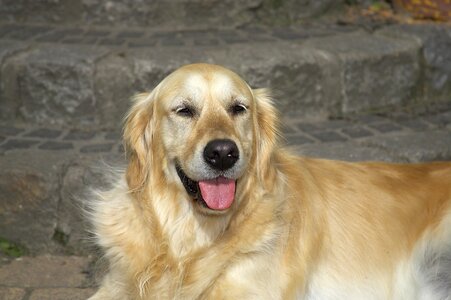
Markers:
(80, 77)
(47, 277)
(46, 174)
(175, 14)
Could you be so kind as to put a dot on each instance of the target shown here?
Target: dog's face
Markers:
(207, 132)
(203, 125)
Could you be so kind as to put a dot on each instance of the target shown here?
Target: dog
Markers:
(211, 206)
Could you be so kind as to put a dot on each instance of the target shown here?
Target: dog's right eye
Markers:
(185, 111)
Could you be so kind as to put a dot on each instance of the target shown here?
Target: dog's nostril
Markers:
(221, 154)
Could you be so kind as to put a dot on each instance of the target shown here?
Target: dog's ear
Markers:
(267, 132)
(138, 133)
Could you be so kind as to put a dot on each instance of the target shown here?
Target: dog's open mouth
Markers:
(215, 194)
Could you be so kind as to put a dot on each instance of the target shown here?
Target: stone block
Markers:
(28, 208)
(11, 293)
(13, 144)
(295, 11)
(302, 80)
(80, 177)
(62, 294)
(61, 11)
(57, 85)
(436, 56)
(29, 198)
(45, 272)
(376, 71)
(414, 147)
(10, 52)
(114, 88)
(297, 139)
(347, 151)
(167, 14)
(203, 14)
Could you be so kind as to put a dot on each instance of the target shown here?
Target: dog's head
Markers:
(202, 130)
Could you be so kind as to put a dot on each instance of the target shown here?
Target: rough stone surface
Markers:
(11, 293)
(436, 54)
(440, 120)
(385, 127)
(62, 294)
(275, 66)
(42, 10)
(376, 71)
(80, 176)
(26, 198)
(114, 81)
(57, 146)
(293, 11)
(17, 144)
(356, 132)
(9, 53)
(97, 148)
(10, 130)
(79, 135)
(328, 136)
(57, 85)
(175, 13)
(415, 147)
(348, 151)
(291, 72)
(170, 14)
(314, 72)
(29, 199)
(45, 272)
(44, 133)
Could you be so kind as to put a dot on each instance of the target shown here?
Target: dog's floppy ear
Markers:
(138, 133)
(267, 131)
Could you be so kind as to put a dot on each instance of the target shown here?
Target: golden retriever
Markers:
(212, 207)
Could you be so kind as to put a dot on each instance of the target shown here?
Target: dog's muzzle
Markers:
(216, 193)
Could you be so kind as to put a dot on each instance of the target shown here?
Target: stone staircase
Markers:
(83, 77)
(169, 14)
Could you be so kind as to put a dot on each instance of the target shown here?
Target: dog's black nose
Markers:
(221, 154)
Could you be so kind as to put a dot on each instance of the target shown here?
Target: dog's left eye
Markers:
(185, 111)
(238, 109)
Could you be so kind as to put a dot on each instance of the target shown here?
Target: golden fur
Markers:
(298, 228)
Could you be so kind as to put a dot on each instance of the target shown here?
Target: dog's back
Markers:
(387, 229)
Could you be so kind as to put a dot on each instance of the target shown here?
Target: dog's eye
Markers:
(238, 109)
(185, 111)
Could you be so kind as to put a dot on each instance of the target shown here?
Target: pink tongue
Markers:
(218, 193)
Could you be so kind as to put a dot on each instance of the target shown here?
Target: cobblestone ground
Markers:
(309, 138)
(404, 138)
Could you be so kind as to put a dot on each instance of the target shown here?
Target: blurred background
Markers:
(353, 80)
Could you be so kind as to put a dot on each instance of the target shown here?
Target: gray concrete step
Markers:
(46, 278)
(46, 173)
(175, 14)
(83, 77)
